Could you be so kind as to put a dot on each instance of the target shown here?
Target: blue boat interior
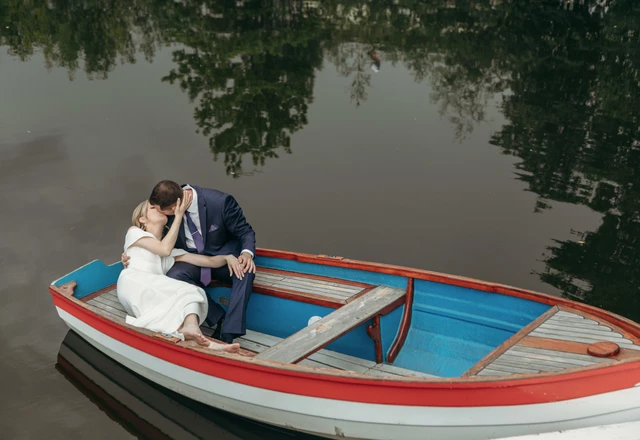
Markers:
(452, 328)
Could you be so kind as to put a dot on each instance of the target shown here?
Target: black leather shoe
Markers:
(217, 333)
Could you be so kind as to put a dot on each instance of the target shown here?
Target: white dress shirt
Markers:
(195, 216)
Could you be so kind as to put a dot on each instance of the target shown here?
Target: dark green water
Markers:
(493, 139)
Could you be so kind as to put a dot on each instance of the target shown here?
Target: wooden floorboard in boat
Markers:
(112, 311)
(109, 302)
(562, 326)
(259, 342)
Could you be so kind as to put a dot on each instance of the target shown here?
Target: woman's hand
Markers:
(234, 267)
(183, 203)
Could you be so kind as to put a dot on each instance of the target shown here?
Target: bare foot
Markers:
(229, 348)
(194, 334)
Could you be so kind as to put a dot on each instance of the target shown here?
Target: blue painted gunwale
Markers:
(453, 327)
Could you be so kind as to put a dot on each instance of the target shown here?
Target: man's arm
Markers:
(215, 261)
(238, 226)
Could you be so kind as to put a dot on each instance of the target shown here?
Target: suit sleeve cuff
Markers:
(248, 251)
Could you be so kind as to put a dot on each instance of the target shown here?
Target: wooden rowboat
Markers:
(349, 349)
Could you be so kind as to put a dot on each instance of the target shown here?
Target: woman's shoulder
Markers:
(134, 234)
(134, 230)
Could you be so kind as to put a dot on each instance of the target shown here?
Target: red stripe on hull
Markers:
(467, 392)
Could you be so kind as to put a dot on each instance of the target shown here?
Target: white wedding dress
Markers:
(152, 299)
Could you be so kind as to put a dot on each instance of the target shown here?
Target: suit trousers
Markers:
(236, 314)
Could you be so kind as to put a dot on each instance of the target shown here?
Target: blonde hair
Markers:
(138, 213)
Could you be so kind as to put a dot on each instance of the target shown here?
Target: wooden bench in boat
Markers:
(560, 339)
(313, 289)
(319, 334)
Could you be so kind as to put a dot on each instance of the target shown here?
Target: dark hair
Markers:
(165, 194)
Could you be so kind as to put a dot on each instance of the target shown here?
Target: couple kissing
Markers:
(181, 239)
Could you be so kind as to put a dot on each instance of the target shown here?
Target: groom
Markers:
(213, 225)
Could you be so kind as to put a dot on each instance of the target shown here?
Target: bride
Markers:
(152, 299)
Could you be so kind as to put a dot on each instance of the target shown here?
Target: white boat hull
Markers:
(354, 420)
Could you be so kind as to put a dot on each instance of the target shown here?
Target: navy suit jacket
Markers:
(224, 228)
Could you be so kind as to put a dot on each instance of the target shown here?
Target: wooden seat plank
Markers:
(580, 333)
(315, 284)
(270, 277)
(534, 364)
(586, 327)
(561, 326)
(309, 282)
(553, 356)
(312, 338)
(596, 331)
(314, 288)
(582, 323)
(490, 372)
(513, 370)
(568, 336)
(570, 315)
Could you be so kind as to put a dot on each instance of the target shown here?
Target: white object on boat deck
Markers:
(622, 431)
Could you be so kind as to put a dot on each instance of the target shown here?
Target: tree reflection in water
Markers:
(566, 72)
